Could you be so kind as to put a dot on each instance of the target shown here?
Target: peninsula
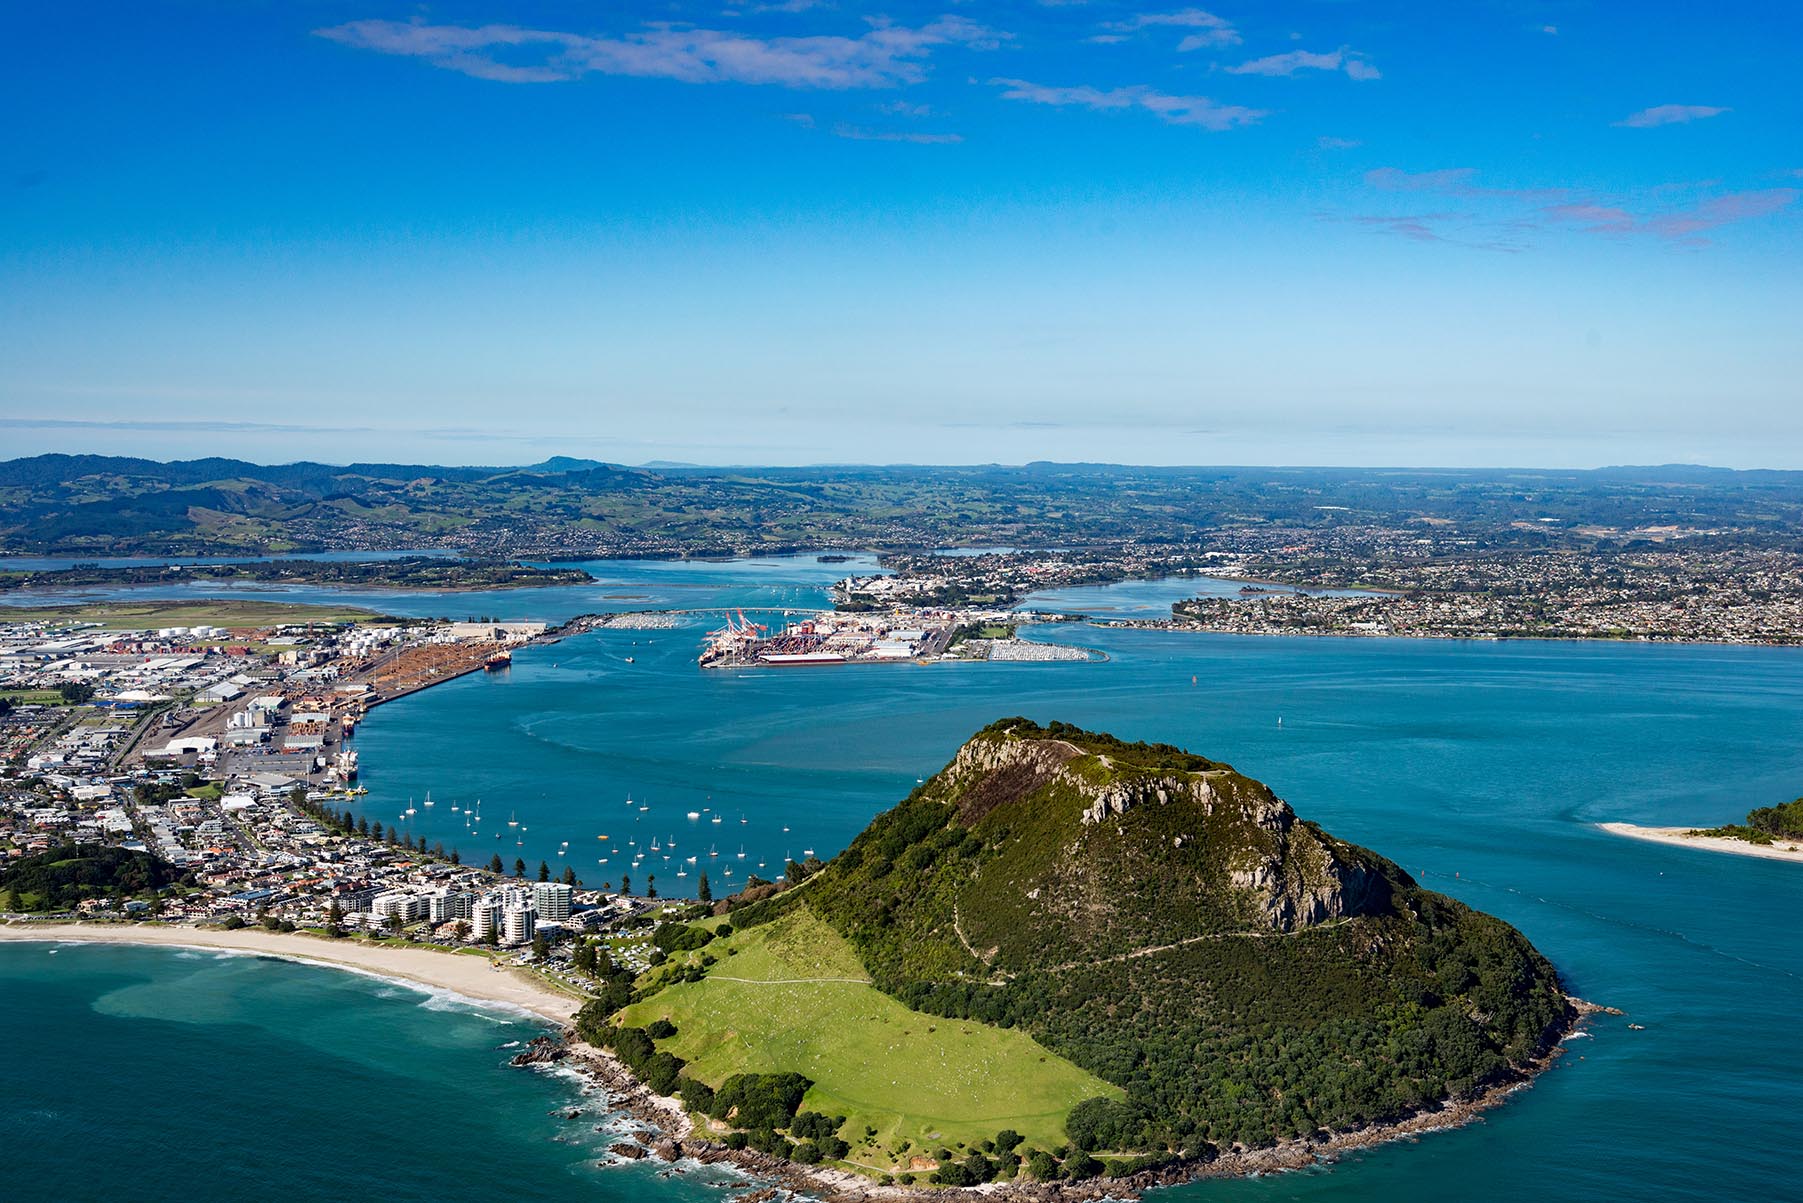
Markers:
(1066, 958)
(1770, 832)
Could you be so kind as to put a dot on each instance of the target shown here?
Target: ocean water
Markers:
(160, 1075)
(1480, 767)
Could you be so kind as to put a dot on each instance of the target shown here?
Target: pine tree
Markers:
(494, 863)
(704, 892)
(625, 883)
(375, 830)
(651, 885)
(569, 875)
(544, 871)
(519, 867)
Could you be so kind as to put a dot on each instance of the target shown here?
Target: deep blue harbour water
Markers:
(1480, 767)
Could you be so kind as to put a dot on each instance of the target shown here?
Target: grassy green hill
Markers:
(1114, 951)
(791, 996)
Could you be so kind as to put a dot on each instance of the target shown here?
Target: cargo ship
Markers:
(500, 660)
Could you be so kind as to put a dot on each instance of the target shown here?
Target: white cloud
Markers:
(1206, 28)
(1173, 110)
(1670, 114)
(883, 56)
(1289, 63)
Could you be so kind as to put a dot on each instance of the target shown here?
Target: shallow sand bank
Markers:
(1680, 836)
(471, 976)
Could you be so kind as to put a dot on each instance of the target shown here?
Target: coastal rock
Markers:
(541, 1050)
(630, 1152)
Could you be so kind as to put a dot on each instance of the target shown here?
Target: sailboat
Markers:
(513, 819)
(741, 852)
(713, 852)
(428, 798)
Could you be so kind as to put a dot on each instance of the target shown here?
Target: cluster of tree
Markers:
(590, 957)
(684, 937)
(62, 877)
(1767, 823)
(159, 792)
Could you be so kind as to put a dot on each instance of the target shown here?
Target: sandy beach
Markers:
(472, 977)
(1680, 836)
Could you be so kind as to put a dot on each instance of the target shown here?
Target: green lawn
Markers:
(32, 697)
(803, 1003)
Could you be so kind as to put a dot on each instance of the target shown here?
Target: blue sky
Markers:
(1319, 232)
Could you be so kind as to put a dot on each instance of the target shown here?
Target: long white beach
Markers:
(473, 977)
(1682, 837)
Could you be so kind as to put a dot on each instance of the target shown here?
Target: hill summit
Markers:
(1172, 927)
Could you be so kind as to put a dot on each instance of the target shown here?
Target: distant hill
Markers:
(85, 505)
(1172, 927)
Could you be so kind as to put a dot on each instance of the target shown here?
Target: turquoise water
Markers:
(1481, 767)
(152, 1075)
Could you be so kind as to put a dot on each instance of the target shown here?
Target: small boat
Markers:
(513, 820)
(428, 797)
(694, 814)
(630, 660)
(716, 818)
(741, 852)
(807, 852)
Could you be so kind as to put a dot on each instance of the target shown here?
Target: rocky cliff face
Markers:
(1290, 875)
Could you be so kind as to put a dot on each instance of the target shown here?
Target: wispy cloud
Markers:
(1329, 142)
(1670, 114)
(1205, 28)
(1173, 110)
(858, 133)
(1684, 226)
(883, 56)
(1287, 64)
(1559, 208)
